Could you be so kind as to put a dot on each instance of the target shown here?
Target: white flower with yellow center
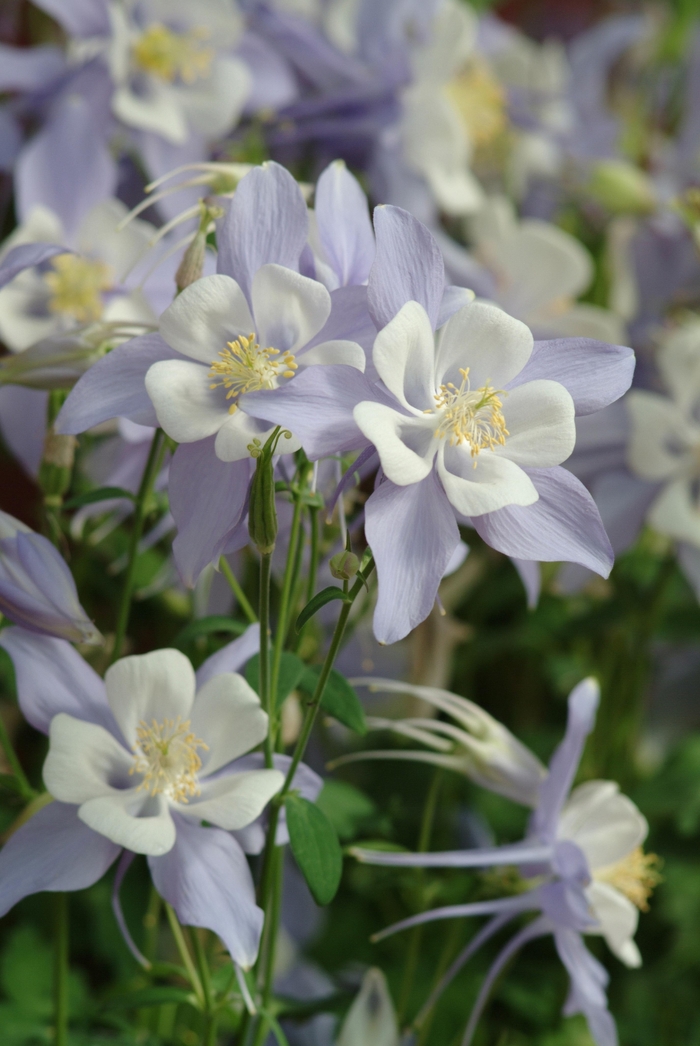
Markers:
(609, 830)
(167, 754)
(234, 349)
(450, 106)
(173, 71)
(75, 289)
(460, 409)
(664, 443)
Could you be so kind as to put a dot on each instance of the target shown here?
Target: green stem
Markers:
(15, 765)
(264, 606)
(287, 586)
(315, 702)
(270, 940)
(150, 922)
(60, 969)
(238, 592)
(313, 562)
(268, 877)
(210, 1020)
(153, 465)
(182, 948)
(414, 946)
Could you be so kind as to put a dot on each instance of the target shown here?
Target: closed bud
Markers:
(191, 267)
(56, 469)
(262, 513)
(622, 188)
(344, 565)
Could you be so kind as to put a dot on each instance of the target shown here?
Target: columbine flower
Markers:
(258, 291)
(138, 762)
(478, 746)
(172, 75)
(472, 421)
(37, 589)
(78, 288)
(589, 875)
(539, 270)
(664, 439)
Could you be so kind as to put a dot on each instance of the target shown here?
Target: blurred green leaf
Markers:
(345, 807)
(339, 698)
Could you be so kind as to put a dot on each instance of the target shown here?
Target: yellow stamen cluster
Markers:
(472, 416)
(635, 876)
(76, 286)
(172, 56)
(245, 367)
(166, 754)
(480, 101)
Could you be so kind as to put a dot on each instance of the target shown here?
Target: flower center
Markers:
(245, 367)
(76, 286)
(474, 416)
(166, 754)
(480, 102)
(635, 876)
(172, 56)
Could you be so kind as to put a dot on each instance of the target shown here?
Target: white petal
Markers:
(234, 801)
(186, 405)
(213, 105)
(659, 436)
(343, 353)
(539, 265)
(208, 314)
(289, 309)
(540, 419)
(147, 687)
(84, 761)
(132, 819)
(158, 110)
(604, 823)
(493, 484)
(406, 446)
(237, 432)
(404, 355)
(22, 303)
(482, 337)
(227, 716)
(98, 237)
(581, 321)
(675, 513)
(618, 920)
(128, 308)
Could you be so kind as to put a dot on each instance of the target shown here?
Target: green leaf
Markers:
(204, 626)
(339, 698)
(292, 669)
(345, 806)
(101, 494)
(157, 996)
(315, 846)
(327, 595)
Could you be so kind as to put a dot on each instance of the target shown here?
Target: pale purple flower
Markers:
(113, 791)
(37, 590)
(518, 498)
(583, 852)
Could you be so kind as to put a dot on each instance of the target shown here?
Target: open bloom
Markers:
(139, 761)
(664, 438)
(589, 875)
(37, 589)
(471, 422)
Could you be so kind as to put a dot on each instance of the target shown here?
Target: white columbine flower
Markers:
(235, 349)
(171, 70)
(539, 272)
(664, 444)
(76, 289)
(460, 409)
(167, 755)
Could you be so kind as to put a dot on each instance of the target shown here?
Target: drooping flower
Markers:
(37, 590)
(589, 875)
(471, 423)
(138, 762)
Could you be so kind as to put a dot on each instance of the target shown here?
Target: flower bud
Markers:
(622, 188)
(192, 265)
(371, 1019)
(262, 514)
(56, 467)
(344, 565)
